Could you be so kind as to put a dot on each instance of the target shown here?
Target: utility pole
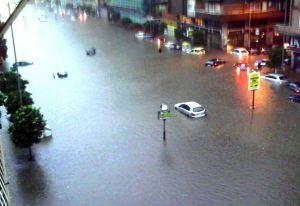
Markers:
(16, 62)
(249, 25)
(283, 36)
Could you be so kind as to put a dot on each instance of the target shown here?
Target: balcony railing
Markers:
(235, 12)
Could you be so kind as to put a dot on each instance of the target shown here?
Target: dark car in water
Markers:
(214, 62)
(295, 98)
(22, 64)
(295, 86)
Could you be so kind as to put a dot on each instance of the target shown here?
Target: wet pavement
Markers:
(107, 146)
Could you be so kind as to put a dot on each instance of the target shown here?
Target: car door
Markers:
(187, 110)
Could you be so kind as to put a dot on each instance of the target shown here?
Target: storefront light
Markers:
(286, 45)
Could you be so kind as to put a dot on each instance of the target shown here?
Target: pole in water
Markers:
(253, 92)
(164, 135)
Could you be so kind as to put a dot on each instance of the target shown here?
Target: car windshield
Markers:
(283, 78)
(244, 51)
(198, 109)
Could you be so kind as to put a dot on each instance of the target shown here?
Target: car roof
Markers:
(198, 47)
(192, 104)
(276, 74)
(240, 48)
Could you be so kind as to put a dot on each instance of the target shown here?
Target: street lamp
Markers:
(283, 36)
(16, 61)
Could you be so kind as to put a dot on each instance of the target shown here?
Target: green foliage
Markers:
(161, 28)
(9, 82)
(3, 48)
(147, 26)
(275, 56)
(3, 98)
(198, 38)
(126, 21)
(27, 126)
(179, 34)
(13, 103)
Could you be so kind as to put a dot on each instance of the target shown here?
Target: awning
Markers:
(287, 30)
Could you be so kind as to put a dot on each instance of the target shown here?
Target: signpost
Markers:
(164, 114)
(253, 84)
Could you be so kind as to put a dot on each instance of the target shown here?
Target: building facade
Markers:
(291, 31)
(139, 11)
(232, 23)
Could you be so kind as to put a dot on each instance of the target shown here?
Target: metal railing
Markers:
(4, 196)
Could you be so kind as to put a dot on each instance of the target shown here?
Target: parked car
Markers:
(214, 62)
(295, 98)
(22, 64)
(191, 109)
(172, 45)
(240, 51)
(295, 86)
(241, 66)
(62, 74)
(275, 77)
(142, 35)
(263, 62)
(196, 51)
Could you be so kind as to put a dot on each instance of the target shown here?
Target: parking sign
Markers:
(254, 81)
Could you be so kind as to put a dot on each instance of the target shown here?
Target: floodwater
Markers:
(107, 146)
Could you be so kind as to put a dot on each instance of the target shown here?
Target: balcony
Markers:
(239, 15)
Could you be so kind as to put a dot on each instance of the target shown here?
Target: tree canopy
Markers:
(9, 82)
(275, 56)
(27, 126)
(13, 103)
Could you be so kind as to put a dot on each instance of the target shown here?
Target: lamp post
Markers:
(283, 36)
(249, 25)
(15, 55)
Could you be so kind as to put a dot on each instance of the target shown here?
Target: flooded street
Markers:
(107, 146)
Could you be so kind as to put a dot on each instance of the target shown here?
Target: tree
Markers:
(179, 34)
(9, 82)
(161, 28)
(26, 128)
(198, 38)
(13, 103)
(126, 22)
(275, 56)
(3, 48)
(2, 99)
(147, 26)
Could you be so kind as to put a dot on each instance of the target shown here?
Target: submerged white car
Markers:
(191, 109)
(196, 51)
(240, 51)
(275, 77)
